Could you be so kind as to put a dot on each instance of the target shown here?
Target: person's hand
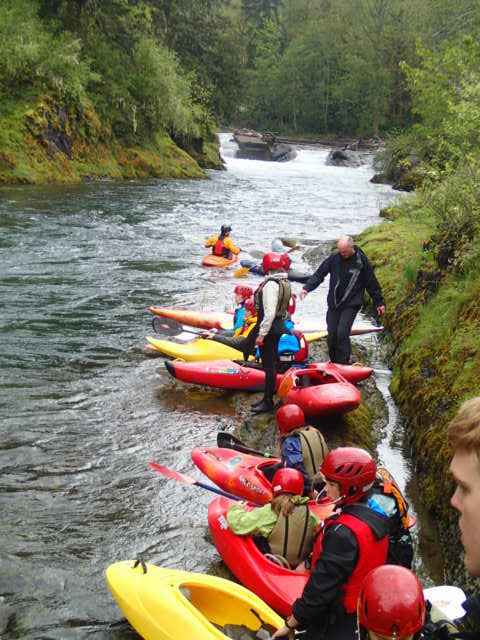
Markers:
(259, 341)
(284, 632)
(381, 310)
(303, 294)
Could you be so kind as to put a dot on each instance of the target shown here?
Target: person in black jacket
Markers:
(350, 274)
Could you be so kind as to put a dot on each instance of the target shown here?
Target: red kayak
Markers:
(227, 374)
(237, 473)
(318, 391)
(277, 586)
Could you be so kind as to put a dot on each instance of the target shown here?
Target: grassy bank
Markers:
(45, 140)
(433, 318)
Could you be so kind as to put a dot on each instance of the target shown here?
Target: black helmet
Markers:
(225, 228)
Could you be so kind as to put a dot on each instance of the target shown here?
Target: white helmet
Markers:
(277, 246)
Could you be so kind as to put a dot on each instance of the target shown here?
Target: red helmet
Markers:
(287, 480)
(286, 261)
(249, 305)
(354, 470)
(272, 261)
(244, 291)
(290, 417)
(391, 602)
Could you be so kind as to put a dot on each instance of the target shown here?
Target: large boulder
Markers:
(253, 145)
(343, 158)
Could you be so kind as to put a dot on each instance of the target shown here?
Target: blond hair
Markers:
(283, 504)
(463, 432)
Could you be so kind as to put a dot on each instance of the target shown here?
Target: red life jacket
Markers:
(218, 248)
(372, 553)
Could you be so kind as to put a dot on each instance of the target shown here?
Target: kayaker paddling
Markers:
(348, 546)
(284, 527)
(350, 275)
(222, 245)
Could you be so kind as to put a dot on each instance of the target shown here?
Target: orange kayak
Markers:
(218, 261)
(200, 319)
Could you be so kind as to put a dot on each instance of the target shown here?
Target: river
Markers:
(83, 409)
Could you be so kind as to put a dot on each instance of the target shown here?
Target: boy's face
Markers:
(465, 468)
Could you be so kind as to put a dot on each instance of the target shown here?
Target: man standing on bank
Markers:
(350, 274)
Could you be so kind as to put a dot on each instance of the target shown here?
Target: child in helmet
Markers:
(238, 339)
(285, 526)
(300, 447)
(347, 547)
(391, 605)
(242, 293)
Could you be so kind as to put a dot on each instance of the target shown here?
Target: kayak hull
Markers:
(219, 374)
(218, 261)
(227, 374)
(200, 319)
(202, 349)
(318, 391)
(235, 472)
(293, 274)
(277, 586)
(156, 606)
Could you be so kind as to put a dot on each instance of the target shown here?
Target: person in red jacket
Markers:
(349, 544)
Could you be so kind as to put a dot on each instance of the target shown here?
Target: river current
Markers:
(83, 409)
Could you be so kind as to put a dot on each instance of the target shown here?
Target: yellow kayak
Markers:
(201, 349)
(168, 604)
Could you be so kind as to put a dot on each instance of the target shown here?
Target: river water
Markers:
(83, 409)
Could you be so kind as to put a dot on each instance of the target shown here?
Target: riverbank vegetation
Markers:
(428, 260)
(119, 76)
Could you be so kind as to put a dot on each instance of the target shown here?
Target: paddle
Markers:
(170, 327)
(227, 441)
(242, 271)
(184, 479)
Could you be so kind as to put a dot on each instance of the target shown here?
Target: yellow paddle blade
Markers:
(242, 271)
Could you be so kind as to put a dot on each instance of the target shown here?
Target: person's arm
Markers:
(260, 521)
(231, 246)
(211, 241)
(270, 300)
(334, 566)
(317, 277)
(372, 286)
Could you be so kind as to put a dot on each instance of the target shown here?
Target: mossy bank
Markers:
(43, 139)
(433, 322)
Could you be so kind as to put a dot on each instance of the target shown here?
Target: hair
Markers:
(283, 504)
(463, 432)
(348, 240)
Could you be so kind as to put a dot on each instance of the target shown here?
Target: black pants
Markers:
(343, 627)
(269, 352)
(339, 324)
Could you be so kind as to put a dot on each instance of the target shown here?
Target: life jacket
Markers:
(292, 537)
(372, 553)
(219, 248)
(314, 448)
(284, 293)
(387, 484)
(247, 327)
